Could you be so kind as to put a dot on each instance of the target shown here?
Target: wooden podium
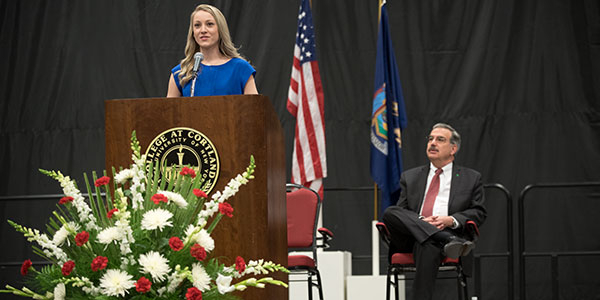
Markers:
(238, 126)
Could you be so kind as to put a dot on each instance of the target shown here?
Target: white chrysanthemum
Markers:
(157, 218)
(188, 231)
(155, 264)
(110, 235)
(200, 278)
(62, 234)
(116, 283)
(124, 175)
(60, 291)
(175, 198)
(224, 284)
(201, 237)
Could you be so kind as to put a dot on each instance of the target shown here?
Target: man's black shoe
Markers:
(458, 247)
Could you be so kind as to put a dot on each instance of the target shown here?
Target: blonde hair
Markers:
(226, 46)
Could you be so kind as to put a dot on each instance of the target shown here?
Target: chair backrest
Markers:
(383, 233)
(302, 213)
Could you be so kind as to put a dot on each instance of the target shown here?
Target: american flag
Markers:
(305, 102)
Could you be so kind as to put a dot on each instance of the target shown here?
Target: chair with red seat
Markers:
(303, 206)
(402, 263)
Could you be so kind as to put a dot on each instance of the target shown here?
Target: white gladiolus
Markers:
(224, 284)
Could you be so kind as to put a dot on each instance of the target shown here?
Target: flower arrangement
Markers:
(150, 239)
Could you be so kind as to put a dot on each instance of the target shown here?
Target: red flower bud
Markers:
(64, 200)
(188, 171)
(240, 264)
(226, 209)
(102, 181)
(157, 198)
(25, 267)
(111, 212)
(193, 294)
(200, 193)
(143, 285)
(99, 263)
(175, 243)
(82, 238)
(198, 252)
(68, 267)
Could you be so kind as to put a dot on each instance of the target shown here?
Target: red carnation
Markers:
(143, 285)
(198, 252)
(226, 209)
(175, 243)
(64, 200)
(102, 181)
(25, 267)
(157, 198)
(240, 264)
(111, 212)
(99, 263)
(68, 267)
(82, 238)
(193, 294)
(200, 193)
(188, 171)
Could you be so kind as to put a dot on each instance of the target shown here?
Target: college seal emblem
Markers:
(182, 146)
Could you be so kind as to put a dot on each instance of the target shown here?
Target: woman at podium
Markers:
(212, 65)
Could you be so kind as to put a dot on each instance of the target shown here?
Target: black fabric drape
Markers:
(518, 79)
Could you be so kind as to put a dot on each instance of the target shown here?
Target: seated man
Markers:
(435, 203)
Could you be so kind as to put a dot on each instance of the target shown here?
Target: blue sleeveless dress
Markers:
(229, 78)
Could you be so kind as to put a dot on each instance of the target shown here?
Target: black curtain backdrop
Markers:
(518, 79)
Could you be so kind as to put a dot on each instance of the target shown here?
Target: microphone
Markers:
(198, 57)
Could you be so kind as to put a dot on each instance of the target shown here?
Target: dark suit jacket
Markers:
(465, 202)
(466, 193)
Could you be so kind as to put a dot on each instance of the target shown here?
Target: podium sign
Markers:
(237, 127)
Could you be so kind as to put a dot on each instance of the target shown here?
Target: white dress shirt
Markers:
(440, 206)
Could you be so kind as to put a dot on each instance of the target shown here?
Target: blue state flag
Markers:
(388, 118)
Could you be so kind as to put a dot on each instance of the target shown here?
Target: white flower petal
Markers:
(60, 291)
(175, 198)
(157, 218)
(224, 284)
(116, 283)
(109, 235)
(155, 264)
(200, 278)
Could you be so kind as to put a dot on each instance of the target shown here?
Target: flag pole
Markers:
(374, 231)
(375, 235)
(375, 202)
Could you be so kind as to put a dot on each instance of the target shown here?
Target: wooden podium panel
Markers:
(238, 126)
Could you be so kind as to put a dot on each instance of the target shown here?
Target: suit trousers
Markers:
(411, 234)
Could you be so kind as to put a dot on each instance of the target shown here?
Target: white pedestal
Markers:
(359, 287)
(334, 267)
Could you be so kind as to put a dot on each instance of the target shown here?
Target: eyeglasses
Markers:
(439, 139)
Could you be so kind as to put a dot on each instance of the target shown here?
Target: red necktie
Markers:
(432, 192)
